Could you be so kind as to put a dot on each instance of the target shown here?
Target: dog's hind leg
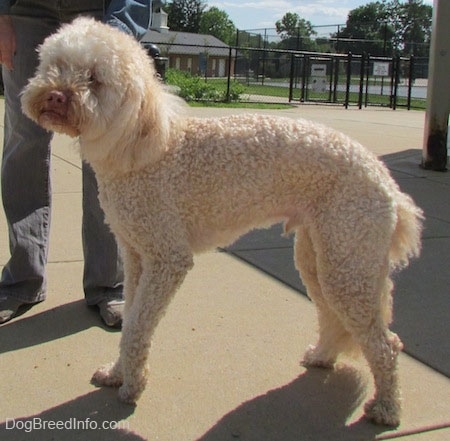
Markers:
(333, 337)
(359, 296)
(381, 348)
(352, 233)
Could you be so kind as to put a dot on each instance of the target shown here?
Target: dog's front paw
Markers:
(383, 412)
(315, 358)
(133, 385)
(108, 375)
(129, 394)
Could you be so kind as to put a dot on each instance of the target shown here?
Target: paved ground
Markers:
(225, 359)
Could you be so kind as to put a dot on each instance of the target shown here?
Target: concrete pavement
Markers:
(225, 359)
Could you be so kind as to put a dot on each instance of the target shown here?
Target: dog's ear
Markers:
(150, 119)
(159, 117)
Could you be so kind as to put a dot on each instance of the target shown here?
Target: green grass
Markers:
(253, 89)
(239, 105)
(208, 90)
(283, 92)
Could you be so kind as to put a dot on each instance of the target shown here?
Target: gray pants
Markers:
(25, 179)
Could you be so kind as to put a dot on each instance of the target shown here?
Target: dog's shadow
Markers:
(315, 406)
(97, 415)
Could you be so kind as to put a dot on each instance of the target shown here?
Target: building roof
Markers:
(185, 43)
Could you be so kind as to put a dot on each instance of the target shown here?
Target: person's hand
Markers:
(7, 41)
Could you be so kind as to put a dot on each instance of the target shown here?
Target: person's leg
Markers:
(26, 189)
(103, 273)
(103, 270)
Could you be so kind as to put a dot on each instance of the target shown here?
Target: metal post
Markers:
(336, 79)
(366, 92)
(304, 97)
(434, 154)
(393, 70)
(230, 55)
(264, 58)
(410, 80)
(362, 68)
(291, 79)
(337, 38)
(396, 81)
(330, 85)
(349, 78)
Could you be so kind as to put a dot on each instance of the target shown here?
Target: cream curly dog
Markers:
(172, 186)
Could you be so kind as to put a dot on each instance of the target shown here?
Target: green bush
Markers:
(236, 90)
(195, 88)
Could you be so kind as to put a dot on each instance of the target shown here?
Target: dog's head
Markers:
(98, 83)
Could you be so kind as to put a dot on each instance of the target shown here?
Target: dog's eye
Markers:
(93, 80)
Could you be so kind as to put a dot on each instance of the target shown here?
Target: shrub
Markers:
(236, 90)
(195, 88)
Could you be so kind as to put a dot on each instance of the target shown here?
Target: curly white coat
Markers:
(172, 186)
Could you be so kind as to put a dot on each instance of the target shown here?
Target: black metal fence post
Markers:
(391, 96)
(336, 79)
(303, 97)
(362, 68)
(410, 81)
(349, 79)
(330, 85)
(291, 78)
(396, 81)
(230, 58)
(366, 98)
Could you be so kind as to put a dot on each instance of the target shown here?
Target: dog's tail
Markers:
(406, 241)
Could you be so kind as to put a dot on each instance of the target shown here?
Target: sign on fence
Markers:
(318, 70)
(380, 69)
(319, 84)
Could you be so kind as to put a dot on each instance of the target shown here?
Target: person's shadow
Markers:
(49, 325)
(97, 415)
(315, 406)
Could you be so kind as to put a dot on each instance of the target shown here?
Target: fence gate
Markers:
(355, 80)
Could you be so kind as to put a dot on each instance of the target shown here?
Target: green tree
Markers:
(250, 39)
(412, 22)
(217, 22)
(295, 32)
(387, 27)
(367, 30)
(184, 15)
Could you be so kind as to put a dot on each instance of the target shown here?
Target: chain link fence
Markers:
(330, 39)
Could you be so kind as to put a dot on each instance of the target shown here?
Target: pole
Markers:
(362, 69)
(410, 80)
(349, 78)
(230, 55)
(434, 154)
(291, 78)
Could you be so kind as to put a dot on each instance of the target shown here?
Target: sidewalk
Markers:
(225, 359)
